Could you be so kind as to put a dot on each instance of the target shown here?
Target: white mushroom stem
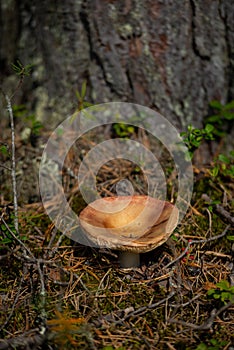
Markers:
(129, 259)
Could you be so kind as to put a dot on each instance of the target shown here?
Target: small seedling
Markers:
(223, 166)
(193, 137)
(4, 150)
(214, 345)
(123, 130)
(81, 103)
(20, 69)
(222, 291)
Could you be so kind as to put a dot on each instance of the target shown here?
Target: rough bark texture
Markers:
(174, 56)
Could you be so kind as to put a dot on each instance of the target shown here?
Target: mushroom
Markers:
(129, 224)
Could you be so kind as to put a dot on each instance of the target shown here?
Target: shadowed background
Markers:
(172, 56)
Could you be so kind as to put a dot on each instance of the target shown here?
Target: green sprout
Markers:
(20, 69)
(193, 137)
(82, 104)
(223, 166)
(222, 291)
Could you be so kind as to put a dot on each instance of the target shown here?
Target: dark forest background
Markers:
(173, 56)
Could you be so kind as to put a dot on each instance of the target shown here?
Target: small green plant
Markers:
(214, 345)
(5, 236)
(123, 130)
(4, 150)
(81, 103)
(20, 69)
(193, 137)
(222, 291)
(222, 115)
(223, 166)
(212, 204)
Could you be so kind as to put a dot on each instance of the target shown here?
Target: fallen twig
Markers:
(28, 340)
(206, 325)
(110, 318)
(26, 249)
(220, 209)
(13, 306)
(197, 242)
(13, 167)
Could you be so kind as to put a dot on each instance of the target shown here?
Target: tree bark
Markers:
(173, 56)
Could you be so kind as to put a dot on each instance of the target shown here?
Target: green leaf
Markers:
(183, 133)
(3, 150)
(228, 115)
(209, 128)
(229, 106)
(3, 227)
(214, 119)
(88, 104)
(196, 143)
(223, 285)
(83, 89)
(213, 341)
(78, 95)
(216, 104)
(217, 201)
(174, 238)
(211, 291)
(131, 129)
(214, 172)
(230, 171)
(225, 296)
(216, 296)
(6, 240)
(224, 158)
(230, 238)
(201, 346)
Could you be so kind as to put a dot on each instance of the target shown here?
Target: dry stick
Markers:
(220, 209)
(197, 242)
(138, 312)
(209, 323)
(13, 306)
(25, 249)
(29, 340)
(5, 167)
(13, 169)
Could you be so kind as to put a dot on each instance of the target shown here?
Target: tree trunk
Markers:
(173, 56)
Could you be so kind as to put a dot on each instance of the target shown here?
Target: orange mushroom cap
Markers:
(129, 223)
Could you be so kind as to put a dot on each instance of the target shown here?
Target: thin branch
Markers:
(5, 167)
(26, 249)
(220, 209)
(13, 306)
(13, 169)
(29, 340)
(111, 318)
(197, 242)
(206, 325)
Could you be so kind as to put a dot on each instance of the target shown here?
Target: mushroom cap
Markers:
(129, 223)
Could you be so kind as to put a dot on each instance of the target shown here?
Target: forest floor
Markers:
(57, 294)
